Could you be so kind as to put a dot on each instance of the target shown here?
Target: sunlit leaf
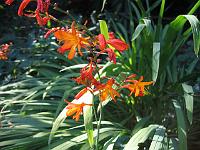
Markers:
(104, 29)
(140, 137)
(88, 117)
(181, 125)
(155, 60)
(157, 141)
(188, 90)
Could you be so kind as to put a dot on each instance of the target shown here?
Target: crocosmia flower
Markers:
(4, 49)
(86, 76)
(42, 7)
(75, 109)
(137, 86)
(107, 90)
(72, 40)
(116, 43)
(113, 43)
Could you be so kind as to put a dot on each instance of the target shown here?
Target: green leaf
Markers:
(182, 135)
(173, 144)
(155, 60)
(140, 137)
(104, 29)
(88, 116)
(195, 25)
(109, 145)
(140, 125)
(145, 23)
(103, 5)
(188, 100)
(81, 138)
(57, 123)
(158, 138)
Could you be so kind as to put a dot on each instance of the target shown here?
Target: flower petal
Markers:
(102, 41)
(22, 7)
(72, 52)
(118, 44)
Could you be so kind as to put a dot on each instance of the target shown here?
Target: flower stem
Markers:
(98, 125)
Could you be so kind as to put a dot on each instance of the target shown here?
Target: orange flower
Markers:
(86, 76)
(137, 86)
(75, 109)
(106, 90)
(72, 40)
(4, 49)
(116, 43)
(42, 7)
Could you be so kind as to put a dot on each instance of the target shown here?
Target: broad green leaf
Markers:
(81, 138)
(158, 138)
(138, 30)
(155, 60)
(104, 29)
(88, 116)
(181, 125)
(145, 23)
(188, 100)
(195, 25)
(140, 137)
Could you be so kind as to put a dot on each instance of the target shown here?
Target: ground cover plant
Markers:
(113, 83)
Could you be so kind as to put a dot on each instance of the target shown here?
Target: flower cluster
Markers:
(41, 12)
(72, 41)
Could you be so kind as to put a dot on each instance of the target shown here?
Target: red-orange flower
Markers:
(107, 90)
(75, 110)
(137, 86)
(4, 49)
(72, 40)
(86, 76)
(42, 7)
(116, 43)
(112, 41)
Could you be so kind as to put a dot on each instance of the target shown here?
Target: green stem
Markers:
(100, 111)
(99, 125)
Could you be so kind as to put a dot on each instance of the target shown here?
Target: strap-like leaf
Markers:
(155, 60)
(182, 135)
(158, 138)
(57, 123)
(140, 137)
(104, 29)
(88, 116)
(188, 100)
